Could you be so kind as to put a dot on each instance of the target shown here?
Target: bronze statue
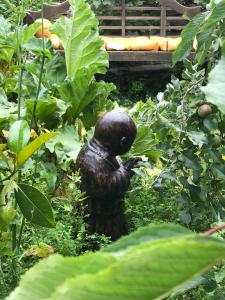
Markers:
(103, 178)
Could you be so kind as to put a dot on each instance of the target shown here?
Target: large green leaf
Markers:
(27, 151)
(215, 89)
(81, 41)
(188, 34)
(28, 32)
(19, 135)
(55, 270)
(144, 143)
(81, 91)
(145, 234)
(150, 270)
(34, 205)
(36, 45)
(6, 52)
(216, 15)
(66, 146)
(44, 109)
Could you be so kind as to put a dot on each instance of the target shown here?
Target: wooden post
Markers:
(123, 20)
(163, 21)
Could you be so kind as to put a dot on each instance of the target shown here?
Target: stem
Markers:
(6, 178)
(20, 92)
(33, 119)
(21, 232)
(214, 230)
(19, 64)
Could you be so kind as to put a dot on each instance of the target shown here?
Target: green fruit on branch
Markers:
(204, 110)
(216, 140)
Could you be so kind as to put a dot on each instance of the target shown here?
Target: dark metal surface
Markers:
(103, 178)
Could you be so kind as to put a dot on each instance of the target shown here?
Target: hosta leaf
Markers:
(81, 41)
(34, 205)
(52, 272)
(27, 151)
(215, 89)
(19, 135)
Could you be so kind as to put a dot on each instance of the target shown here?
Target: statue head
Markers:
(116, 132)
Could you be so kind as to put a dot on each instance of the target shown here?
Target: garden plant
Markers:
(49, 105)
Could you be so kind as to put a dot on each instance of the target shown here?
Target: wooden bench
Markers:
(167, 20)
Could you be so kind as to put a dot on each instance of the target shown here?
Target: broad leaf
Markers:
(34, 205)
(197, 137)
(215, 89)
(144, 143)
(204, 39)
(216, 15)
(149, 270)
(19, 135)
(66, 146)
(29, 31)
(55, 69)
(81, 91)
(35, 45)
(188, 34)
(27, 151)
(81, 41)
(6, 52)
(149, 233)
(44, 109)
(51, 272)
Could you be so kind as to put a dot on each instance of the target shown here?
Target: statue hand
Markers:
(130, 163)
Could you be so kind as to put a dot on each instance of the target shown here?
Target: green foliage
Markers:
(141, 266)
(84, 58)
(191, 147)
(207, 29)
(66, 146)
(214, 90)
(28, 150)
(34, 205)
(81, 92)
(188, 35)
(19, 136)
(81, 41)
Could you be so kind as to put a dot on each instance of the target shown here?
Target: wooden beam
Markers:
(158, 56)
(123, 21)
(163, 21)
